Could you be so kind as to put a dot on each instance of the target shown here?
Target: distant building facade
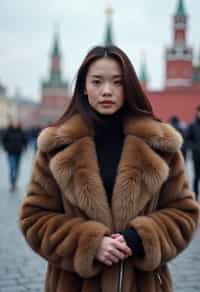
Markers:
(7, 108)
(27, 111)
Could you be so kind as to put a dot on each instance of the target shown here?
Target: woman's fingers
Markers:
(118, 254)
(112, 250)
(107, 262)
(118, 237)
(111, 256)
(122, 246)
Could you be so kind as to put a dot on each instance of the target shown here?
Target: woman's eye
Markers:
(118, 82)
(96, 82)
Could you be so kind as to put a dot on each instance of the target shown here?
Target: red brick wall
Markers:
(181, 103)
(179, 69)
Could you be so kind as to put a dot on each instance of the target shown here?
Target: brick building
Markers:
(181, 92)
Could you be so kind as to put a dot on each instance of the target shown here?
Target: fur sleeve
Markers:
(67, 242)
(168, 231)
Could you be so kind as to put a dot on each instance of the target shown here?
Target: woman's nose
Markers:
(107, 90)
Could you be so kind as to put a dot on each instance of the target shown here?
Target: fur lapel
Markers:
(141, 171)
(76, 171)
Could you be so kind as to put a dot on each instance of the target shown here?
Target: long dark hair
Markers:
(136, 101)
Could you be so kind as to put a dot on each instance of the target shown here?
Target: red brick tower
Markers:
(55, 97)
(179, 69)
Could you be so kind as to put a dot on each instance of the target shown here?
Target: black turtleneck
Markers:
(109, 139)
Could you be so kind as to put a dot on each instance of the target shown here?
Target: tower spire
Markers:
(55, 78)
(56, 47)
(180, 24)
(180, 8)
(55, 73)
(109, 34)
(143, 75)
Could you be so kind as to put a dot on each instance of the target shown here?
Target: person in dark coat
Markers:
(176, 123)
(14, 142)
(33, 135)
(193, 141)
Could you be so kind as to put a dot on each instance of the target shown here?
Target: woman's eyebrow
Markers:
(101, 76)
(117, 76)
(96, 76)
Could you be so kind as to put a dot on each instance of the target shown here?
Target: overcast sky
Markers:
(27, 28)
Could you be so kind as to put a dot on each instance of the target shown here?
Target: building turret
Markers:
(179, 56)
(180, 25)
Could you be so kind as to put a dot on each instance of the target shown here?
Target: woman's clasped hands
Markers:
(113, 249)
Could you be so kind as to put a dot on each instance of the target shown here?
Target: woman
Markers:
(108, 204)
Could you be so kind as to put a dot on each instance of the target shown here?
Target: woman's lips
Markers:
(107, 103)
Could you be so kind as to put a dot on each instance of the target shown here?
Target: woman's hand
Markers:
(112, 250)
(120, 237)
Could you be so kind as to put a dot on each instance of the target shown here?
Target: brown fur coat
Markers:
(66, 213)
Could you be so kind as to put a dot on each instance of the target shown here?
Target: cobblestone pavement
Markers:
(21, 270)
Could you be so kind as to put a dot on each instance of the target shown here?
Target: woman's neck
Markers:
(110, 123)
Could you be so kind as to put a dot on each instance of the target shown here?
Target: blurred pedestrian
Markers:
(33, 134)
(14, 141)
(108, 204)
(178, 125)
(193, 141)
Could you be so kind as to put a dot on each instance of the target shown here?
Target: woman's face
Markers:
(104, 86)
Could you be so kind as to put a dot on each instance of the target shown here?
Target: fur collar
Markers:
(158, 135)
(140, 175)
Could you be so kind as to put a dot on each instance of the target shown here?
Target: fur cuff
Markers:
(85, 263)
(152, 251)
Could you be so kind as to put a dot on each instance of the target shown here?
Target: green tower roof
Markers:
(180, 8)
(56, 48)
(109, 35)
(143, 76)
